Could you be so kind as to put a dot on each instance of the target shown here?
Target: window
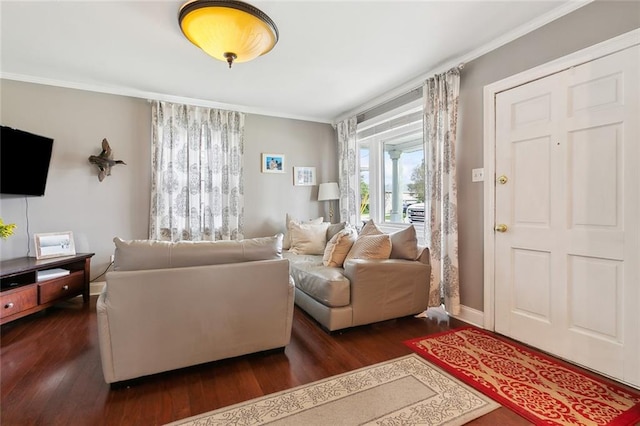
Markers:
(391, 166)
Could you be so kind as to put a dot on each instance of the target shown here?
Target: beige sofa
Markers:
(172, 305)
(386, 279)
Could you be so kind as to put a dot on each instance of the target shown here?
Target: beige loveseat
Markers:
(353, 279)
(172, 305)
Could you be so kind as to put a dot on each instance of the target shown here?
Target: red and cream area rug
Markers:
(540, 388)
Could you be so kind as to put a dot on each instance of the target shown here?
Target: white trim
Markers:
(489, 164)
(471, 316)
(400, 111)
(153, 96)
(530, 26)
(588, 54)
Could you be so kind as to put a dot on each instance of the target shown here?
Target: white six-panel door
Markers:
(567, 159)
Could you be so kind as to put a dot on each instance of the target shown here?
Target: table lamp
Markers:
(328, 192)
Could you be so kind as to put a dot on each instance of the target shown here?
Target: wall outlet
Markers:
(477, 175)
(112, 258)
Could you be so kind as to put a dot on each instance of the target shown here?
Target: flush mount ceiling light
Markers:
(231, 31)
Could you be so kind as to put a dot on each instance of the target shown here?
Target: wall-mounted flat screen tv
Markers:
(24, 162)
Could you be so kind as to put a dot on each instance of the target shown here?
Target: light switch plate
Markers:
(477, 175)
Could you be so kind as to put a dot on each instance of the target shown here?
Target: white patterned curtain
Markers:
(197, 173)
(440, 122)
(347, 170)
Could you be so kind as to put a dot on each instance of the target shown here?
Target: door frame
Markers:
(580, 57)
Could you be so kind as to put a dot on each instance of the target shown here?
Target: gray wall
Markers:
(269, 196)
(96, 211)
(589, 25)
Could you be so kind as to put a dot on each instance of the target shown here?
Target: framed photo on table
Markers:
(54, 244)
(272, 163)
(304, 176)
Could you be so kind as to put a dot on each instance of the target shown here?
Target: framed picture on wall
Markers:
(272, 163)
(54, 244)
(304, 176)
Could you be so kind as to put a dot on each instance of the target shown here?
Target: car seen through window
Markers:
(415, 213)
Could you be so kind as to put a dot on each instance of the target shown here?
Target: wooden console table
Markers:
(21, 294)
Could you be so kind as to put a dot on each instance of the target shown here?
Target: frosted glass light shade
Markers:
(328, 191)
(231, 31)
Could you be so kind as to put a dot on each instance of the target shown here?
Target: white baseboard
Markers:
(471, 316)
(95, 288)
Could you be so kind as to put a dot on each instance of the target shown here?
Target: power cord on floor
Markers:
(105, 271)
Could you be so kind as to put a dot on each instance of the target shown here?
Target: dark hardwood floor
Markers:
(51, 375)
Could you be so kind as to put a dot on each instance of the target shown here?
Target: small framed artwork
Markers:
(272, 163)
(54, 244)
(304, 176)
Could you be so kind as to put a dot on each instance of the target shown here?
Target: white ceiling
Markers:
(333, 57)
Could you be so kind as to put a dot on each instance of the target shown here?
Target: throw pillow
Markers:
(404, 244)
(338, 247)
(308, 238)
(334, 229)
(370, 228)
(370, 247)
(286, 241)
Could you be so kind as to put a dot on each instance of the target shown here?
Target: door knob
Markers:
(501, 227)
(502, 179)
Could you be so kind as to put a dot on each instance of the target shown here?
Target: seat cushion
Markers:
(325, 284)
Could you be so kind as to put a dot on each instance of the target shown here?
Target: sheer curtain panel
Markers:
(440, 122)
(197, 173)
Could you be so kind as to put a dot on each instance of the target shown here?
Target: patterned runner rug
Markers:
(540, 388)
(407, 390)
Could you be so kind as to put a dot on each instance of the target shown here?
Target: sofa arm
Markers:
(385, 289)
(104, 337)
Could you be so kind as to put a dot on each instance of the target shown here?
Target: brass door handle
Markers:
(501, 227)
(502, 179)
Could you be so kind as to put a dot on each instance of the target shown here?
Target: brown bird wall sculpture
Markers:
(103, 161)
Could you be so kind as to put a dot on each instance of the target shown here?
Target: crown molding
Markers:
(418, 81)
(153, 96)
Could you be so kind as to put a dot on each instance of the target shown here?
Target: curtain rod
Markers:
(362, 114)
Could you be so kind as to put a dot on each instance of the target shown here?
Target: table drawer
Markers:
(59, 288)
(18, 300)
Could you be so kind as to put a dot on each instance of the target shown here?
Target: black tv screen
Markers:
(24, 162)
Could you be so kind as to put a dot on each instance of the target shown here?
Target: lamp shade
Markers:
(231, 31)
(328, 191)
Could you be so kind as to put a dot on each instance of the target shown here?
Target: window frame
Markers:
(376, 143)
